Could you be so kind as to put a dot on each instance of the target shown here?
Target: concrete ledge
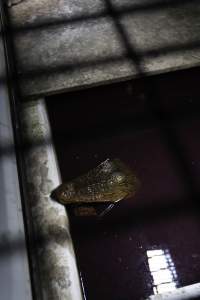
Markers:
(65, 45)
(54, 253)
(188, 292)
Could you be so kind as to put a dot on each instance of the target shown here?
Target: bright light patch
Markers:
(157, 263)
(151, 253)
(163, 272)
(166, 287)
(162, 276)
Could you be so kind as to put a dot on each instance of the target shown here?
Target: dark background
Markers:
(151, 124)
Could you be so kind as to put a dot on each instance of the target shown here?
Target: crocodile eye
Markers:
(64, 194)
(117, 177)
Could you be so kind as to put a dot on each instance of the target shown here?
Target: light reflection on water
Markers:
(163, 272)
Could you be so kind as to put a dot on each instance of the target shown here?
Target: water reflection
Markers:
(163, 272)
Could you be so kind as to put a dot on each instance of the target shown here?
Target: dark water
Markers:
(149, 243)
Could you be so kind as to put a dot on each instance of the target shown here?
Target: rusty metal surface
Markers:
(62, 45)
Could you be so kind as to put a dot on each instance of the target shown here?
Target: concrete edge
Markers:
(58, 274)
(14, 266)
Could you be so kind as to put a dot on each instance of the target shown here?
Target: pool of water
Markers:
(150, 243)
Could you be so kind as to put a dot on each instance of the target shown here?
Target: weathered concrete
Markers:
(67, 44)
(14, 267)
(53, 255)
(184, 293)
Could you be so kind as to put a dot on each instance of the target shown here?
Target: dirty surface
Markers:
(65, 44)
(148, 244)
(14, 265)
(53, 263)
